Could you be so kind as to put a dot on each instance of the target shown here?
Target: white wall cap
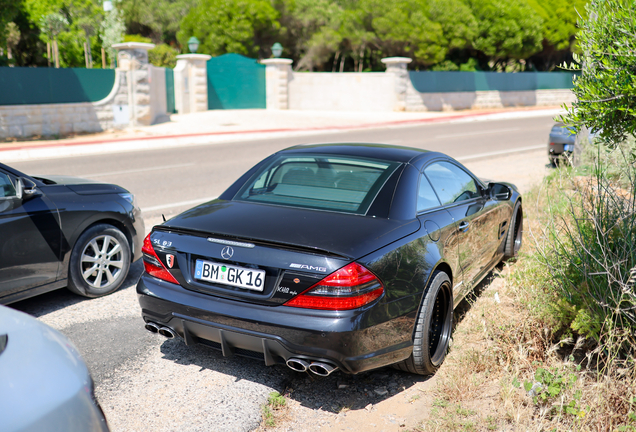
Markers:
(396, 60)
(277, 61)
(194, 57)
(134, 45)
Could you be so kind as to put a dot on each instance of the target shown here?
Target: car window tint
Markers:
(451, 183)
(6, 187)
(426, 197)
(339, 183)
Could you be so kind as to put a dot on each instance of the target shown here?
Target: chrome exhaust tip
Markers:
(167, 332)
(297, 365)
(152, 327)
(322, 369)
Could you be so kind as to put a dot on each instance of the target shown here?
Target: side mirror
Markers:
(19, 188)
(499, 192)
(25, 188)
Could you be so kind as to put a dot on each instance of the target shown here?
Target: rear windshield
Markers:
(339, 183)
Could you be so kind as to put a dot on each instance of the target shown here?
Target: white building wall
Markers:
(349, 91)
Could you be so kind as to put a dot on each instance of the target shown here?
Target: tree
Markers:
(559, 30)
(13, 37)
(52, 25)
(231, 26)
(112, 31)
(507, 30)
(157, 19)
(8, 10)
(606, 90)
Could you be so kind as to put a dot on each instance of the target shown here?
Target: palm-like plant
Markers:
(52, 25)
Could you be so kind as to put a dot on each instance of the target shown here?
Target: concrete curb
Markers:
(28, 151)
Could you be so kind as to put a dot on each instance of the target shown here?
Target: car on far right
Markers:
(563, 141)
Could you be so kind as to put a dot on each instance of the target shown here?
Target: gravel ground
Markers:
(147, 383)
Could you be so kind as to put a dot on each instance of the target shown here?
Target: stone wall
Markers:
(137, 98)
(51, 120)
(416, 101)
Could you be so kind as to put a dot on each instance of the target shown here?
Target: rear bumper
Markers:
(275, 334)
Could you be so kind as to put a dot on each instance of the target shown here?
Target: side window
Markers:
(426, 197)
(6, 186)
(451, 183)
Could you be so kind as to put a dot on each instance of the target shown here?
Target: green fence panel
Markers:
(23, 85)
(170, 104)
(448, 82)
(235, 82)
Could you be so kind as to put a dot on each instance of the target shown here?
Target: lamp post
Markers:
(193, 44)
(277, 50)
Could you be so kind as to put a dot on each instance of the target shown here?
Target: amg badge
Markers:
(308, 267)
(170, 260)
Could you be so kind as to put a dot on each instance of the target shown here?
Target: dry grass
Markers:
(503, 347)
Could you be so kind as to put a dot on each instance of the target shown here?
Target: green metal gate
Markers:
(170, 108)
(235, 82)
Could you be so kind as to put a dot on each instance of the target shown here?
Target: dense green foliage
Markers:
(606, 91)
(324, 35)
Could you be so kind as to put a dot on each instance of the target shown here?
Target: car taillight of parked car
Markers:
(152, 263)
(350, 287)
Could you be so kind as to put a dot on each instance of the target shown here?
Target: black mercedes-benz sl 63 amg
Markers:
(60, 231)
(335, 256)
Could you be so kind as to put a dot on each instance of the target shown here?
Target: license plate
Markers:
(568, 147)
(241, 277)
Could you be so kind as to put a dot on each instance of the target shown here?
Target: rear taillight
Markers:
(152, 263)
(350, 287)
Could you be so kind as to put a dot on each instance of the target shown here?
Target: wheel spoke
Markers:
(98, 279)
(109, 276)
(88, 259)
(114, 250)
(93, 244)
(106, 244)
(87, 273)
(119, 264)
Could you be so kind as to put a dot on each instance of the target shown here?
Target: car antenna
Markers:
(164, 218)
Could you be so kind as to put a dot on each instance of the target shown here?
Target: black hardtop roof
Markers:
(375, 151)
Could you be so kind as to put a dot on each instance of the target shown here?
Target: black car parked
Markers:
(325, 257)
(58, 231)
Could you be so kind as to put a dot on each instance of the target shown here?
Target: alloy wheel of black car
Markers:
(433, 328)
(514, 236)
(99, 262)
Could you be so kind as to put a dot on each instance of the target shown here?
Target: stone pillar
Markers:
(278, 73)
(397, 67)
(191, 83)
(132, 60)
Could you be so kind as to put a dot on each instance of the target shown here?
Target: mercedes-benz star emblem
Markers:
(227, 252)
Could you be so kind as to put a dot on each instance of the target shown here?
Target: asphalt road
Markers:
(171, 180)
(145, 382)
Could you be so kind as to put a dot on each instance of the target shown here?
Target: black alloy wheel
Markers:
(433, 328)
(514, 237)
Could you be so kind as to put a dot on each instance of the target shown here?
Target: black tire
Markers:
(105, 249)
(433, 328)
(514, 236)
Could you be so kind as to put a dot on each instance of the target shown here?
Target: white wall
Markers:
(158, 97)
(348, 91)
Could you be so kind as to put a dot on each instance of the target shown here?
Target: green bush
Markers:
(163, 55)
(590, 247)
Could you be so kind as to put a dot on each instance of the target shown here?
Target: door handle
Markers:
(463, 226)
